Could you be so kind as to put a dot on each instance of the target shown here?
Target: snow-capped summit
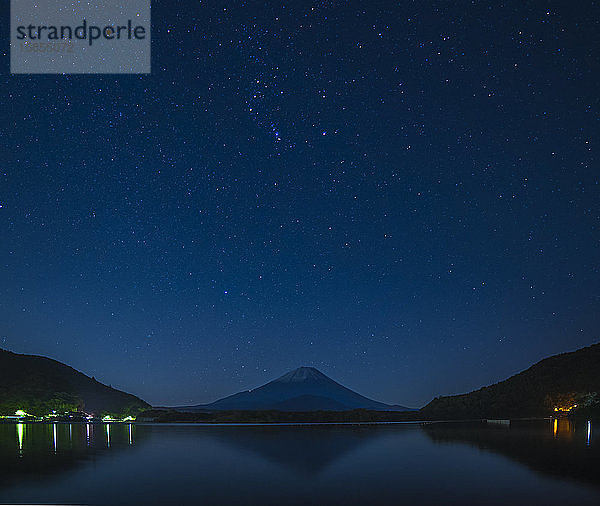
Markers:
(302, 374)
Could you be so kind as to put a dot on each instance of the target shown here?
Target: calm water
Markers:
(530, 463)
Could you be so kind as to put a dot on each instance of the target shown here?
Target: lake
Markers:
(542, 462)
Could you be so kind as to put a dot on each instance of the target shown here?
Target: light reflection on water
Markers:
(563, 427)
(20, 434)
(551, 462)
(589, 432)
(62, 436)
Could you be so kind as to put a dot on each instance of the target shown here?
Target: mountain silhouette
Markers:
(303, 389)
(566, 381)
(40, 385)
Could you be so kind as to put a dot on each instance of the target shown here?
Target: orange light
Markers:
(564, 408)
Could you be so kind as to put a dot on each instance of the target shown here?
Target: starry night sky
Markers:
(404, 195)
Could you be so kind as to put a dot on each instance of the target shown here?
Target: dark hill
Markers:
(303, 389)
(560, 381)
(39, 385)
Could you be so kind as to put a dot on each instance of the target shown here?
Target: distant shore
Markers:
(360, 416)
(284, 424)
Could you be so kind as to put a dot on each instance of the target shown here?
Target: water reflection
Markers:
(20, 432)
(589, 433)
(38, 437)
(563, 427)
(562, 451)
(36, 451)
(309, 450)
(178, 464)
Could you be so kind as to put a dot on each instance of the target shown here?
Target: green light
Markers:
(20, 432)
(21, 413)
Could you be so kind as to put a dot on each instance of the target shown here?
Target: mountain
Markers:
(39, 385)
(303, 389)
(569, 382)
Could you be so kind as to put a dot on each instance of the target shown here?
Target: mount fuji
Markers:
(303, 389)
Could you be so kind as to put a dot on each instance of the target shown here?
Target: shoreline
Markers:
(281, 424)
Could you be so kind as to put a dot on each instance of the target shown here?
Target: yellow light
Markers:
(20, 412)
(565, 408)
